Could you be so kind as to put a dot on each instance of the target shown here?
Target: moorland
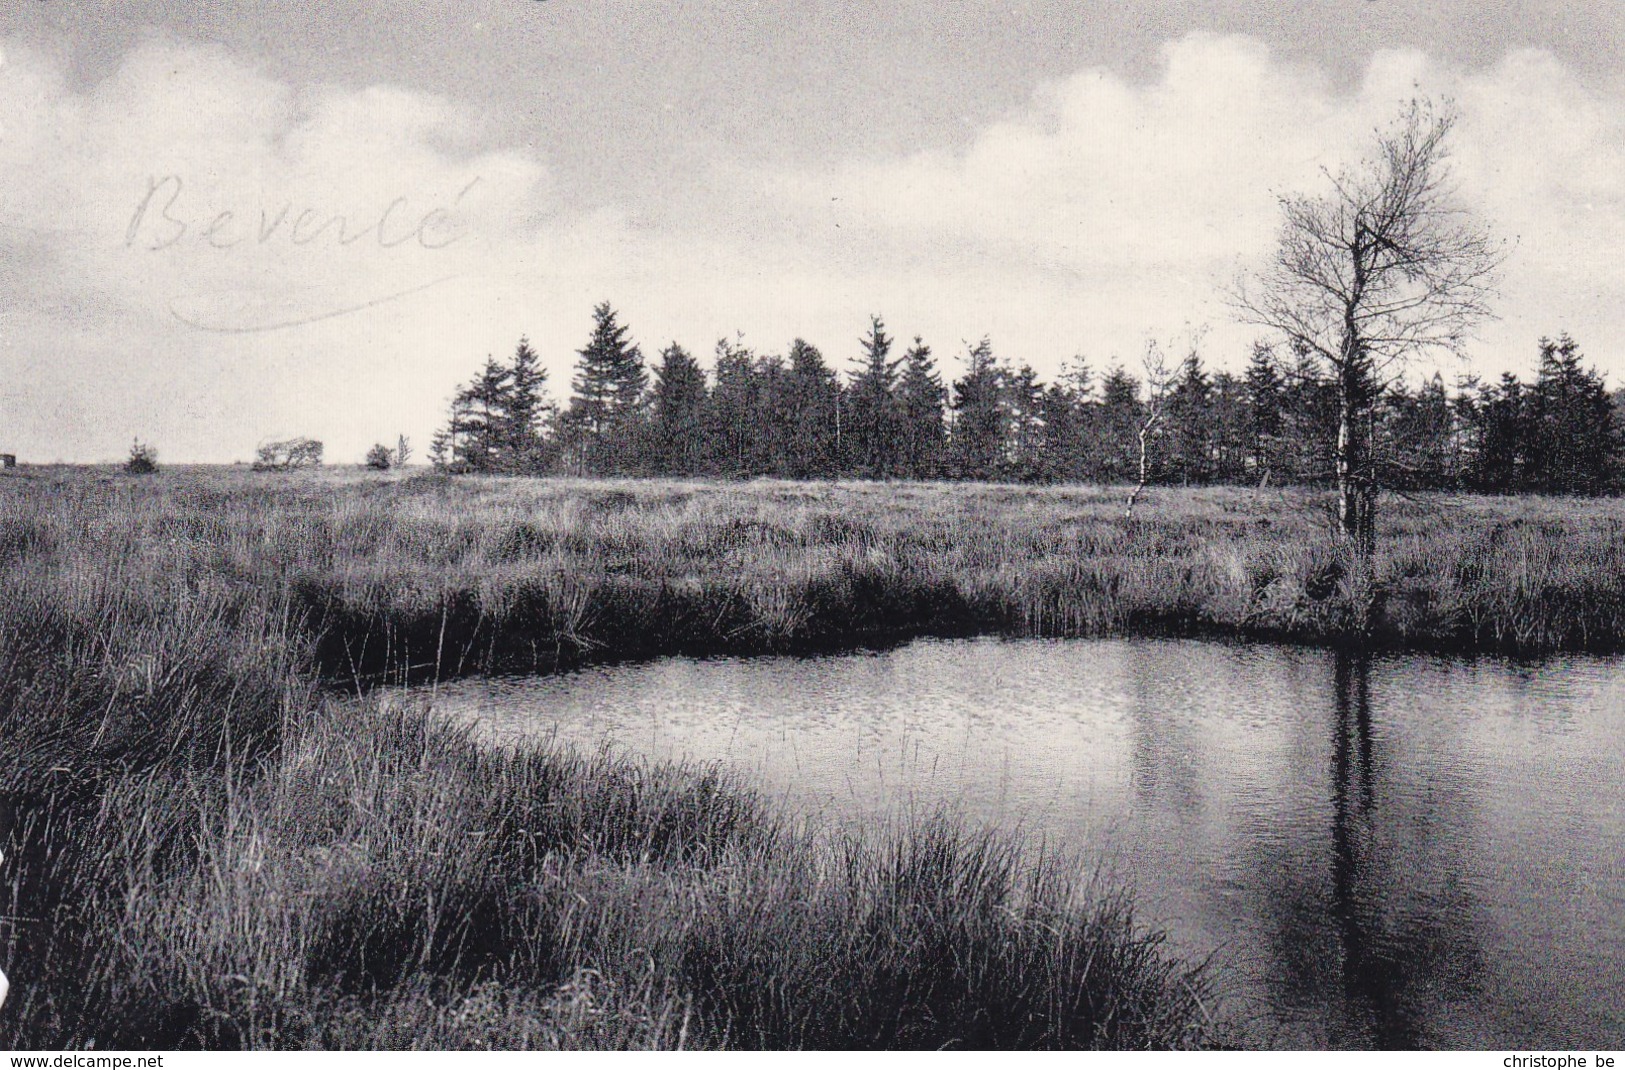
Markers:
(225, 826)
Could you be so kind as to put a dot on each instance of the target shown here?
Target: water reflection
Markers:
(1372, 980)
(1371, 951)
(1388, 852)
(1164, 743)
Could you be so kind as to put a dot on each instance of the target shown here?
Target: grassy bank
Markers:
(207, 846)
(384, 882)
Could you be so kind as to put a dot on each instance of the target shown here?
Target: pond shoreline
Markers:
(1332, 823)
(337, 675)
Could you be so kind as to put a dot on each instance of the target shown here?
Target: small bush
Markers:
(143, 459)
(379, 458)
(286, 456)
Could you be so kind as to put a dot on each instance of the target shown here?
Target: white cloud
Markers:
(1111, 210)
(1100, 174)
(1100, 212)
(157, 219)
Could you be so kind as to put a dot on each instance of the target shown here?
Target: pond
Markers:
(1387, 851)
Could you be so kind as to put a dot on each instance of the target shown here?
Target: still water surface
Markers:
(1399, 851)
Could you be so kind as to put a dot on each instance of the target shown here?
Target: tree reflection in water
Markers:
(1390, 942)
(1372, 978)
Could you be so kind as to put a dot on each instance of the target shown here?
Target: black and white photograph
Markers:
(782, 525)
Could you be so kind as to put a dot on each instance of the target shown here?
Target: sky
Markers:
(224, 223)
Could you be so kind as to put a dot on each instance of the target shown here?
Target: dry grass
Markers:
(384, 882)
(428, 576)
(395, 578)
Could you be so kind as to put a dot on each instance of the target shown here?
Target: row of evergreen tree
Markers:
(793, 416)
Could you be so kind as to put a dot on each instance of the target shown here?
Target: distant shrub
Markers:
(288, 455)
(143, 459)
(379, 458)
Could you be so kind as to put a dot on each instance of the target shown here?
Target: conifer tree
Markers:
(1574, 445)
(731, 410)
(1416, 446)
(1022, 397)
(1501, 437)
(1264, 386)
(1121, 413)
(604, 420)
(1189, 448)
(921, 398)
(773, 423)
(1310, 408)
(976, 443)
(479, 420)
(1229, 429)
(496, 420)
(1070, 431)
(677, 414)
(440, 449)
(813, 404)
(526, 411)
(873, 417)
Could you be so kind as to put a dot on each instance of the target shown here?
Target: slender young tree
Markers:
(1148, 427)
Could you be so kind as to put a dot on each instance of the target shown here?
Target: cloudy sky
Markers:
(223, 222)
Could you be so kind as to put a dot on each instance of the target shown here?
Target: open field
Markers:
(218, 836)
(428, 576)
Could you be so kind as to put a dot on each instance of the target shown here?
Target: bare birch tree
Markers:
(1158, 378)
(1370, 276)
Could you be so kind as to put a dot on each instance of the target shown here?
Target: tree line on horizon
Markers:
(893, 416)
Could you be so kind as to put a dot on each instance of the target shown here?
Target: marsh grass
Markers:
(220, 833)
(386, 882)
(422, 577)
